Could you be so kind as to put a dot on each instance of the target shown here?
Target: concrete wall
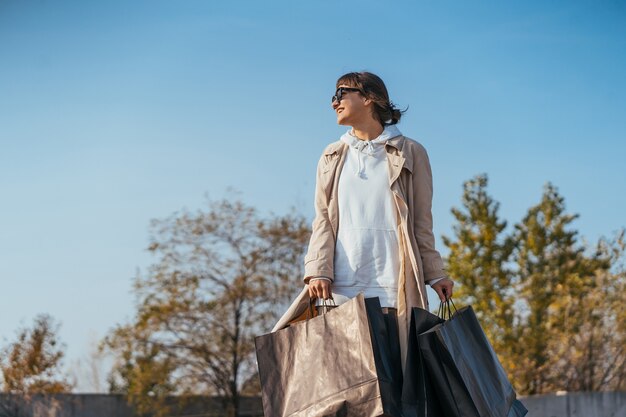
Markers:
(64, 405)
(596, 404)
(577, 404)
(105, 405)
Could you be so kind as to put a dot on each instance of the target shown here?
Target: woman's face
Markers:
(352, 107)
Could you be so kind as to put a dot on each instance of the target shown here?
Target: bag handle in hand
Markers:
(325, 303)
(446, 307)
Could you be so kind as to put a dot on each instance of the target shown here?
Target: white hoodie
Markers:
(367, 255)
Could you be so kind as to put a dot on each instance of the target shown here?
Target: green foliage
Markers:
(591, 349)
(143, 371)
(550, 304)
(217, 283)
(555, 273)
(478, 261)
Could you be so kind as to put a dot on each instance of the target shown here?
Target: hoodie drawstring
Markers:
(363, 147)
(368, 147)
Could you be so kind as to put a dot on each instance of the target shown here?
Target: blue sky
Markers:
(114, 113)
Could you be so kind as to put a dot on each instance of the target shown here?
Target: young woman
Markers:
(372, 231)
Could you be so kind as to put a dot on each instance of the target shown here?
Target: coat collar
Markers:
(395, 155)
(395, 142)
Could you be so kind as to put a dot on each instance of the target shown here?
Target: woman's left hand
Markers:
(444, 289)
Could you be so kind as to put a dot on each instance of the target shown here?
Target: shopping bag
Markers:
(465, 371)
(336, 364)
(418, 397)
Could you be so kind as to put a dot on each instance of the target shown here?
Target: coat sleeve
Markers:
(319, 259)
(422, 216)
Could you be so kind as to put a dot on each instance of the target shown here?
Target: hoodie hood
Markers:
(389, 132)
(364, 148)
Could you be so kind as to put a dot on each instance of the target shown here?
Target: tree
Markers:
(143, 371)
(222, 277)
(594, 356)
(478, 257)
(555, 273)
(551, 304)
(32, 365)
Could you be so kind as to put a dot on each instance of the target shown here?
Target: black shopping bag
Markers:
(465, 371)
(418, 397)
(336, 364)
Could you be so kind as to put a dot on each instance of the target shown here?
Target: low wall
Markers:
(110, 405)
(582, 404)
(577, 404)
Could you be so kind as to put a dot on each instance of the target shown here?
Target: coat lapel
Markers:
(329, 172)
(396, 162)
(335, 157)
(396, 159)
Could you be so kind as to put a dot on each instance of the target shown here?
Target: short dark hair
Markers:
(373, 87)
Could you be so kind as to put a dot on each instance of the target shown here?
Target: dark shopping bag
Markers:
(418, 396)
(336, 364)
(466, 374)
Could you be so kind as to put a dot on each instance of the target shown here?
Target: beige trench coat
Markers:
(410, 180)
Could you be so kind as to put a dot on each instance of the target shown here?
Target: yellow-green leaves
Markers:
(551, 304)
(220, 277)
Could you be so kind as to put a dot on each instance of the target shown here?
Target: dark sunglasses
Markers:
(340, 91)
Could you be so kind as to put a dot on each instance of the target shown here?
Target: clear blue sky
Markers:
(113, 113)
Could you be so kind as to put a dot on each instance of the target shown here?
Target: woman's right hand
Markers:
(320, 288)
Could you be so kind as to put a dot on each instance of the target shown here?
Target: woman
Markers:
(372, 231)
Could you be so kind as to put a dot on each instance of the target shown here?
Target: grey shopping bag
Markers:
(336, 364)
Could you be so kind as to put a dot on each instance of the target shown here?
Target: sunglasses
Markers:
(340, 92)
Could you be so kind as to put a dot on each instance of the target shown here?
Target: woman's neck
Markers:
(368, 130)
